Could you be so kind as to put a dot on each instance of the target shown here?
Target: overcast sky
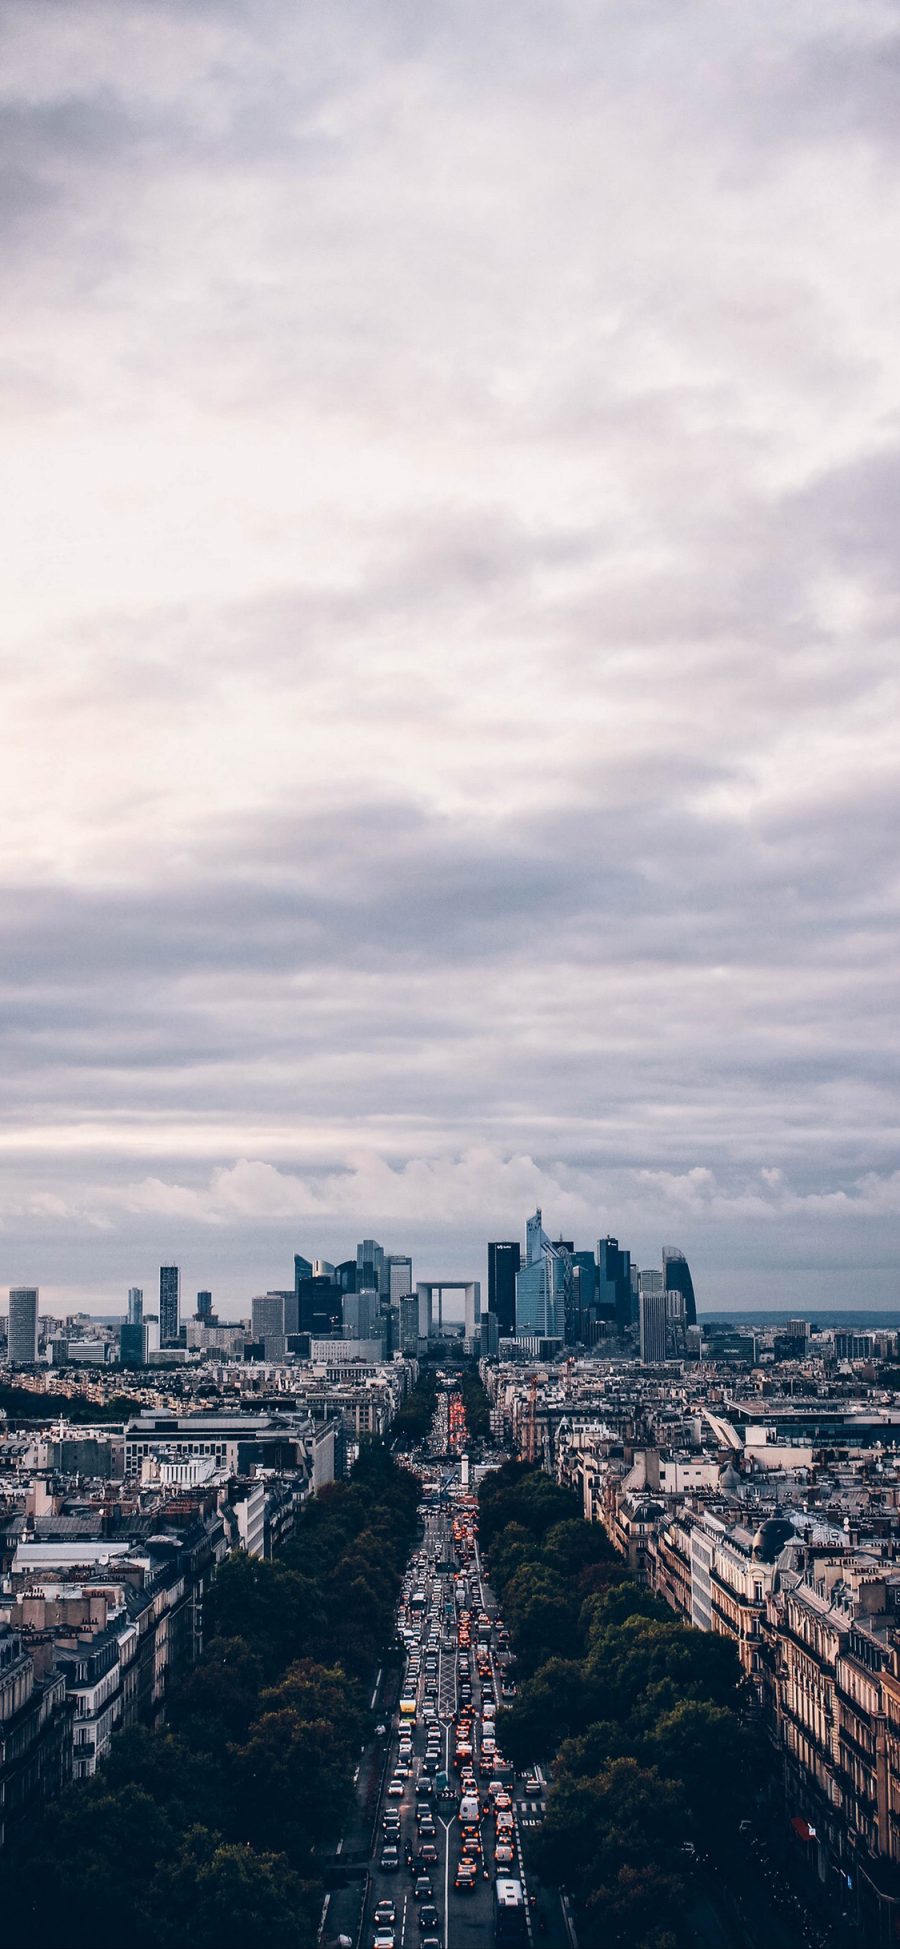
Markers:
(451, 479)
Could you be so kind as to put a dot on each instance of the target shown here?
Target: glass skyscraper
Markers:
(540, 1286)
(504, 1260)
(677, 1279)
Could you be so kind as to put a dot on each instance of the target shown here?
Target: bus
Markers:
(510, 1926)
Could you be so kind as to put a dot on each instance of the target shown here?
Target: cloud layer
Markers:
(450, 687)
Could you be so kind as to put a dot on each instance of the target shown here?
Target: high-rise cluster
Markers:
(557, 1294)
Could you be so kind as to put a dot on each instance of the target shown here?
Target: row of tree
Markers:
(206, 1830)
(642, 1720)
(23, 1404)
(477, 1405)
(412, 1422)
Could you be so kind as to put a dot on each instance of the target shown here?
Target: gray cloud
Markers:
(450, 694)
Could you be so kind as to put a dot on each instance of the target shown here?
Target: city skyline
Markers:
(451, 703)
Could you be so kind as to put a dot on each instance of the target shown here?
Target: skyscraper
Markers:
(133, 1344)
(408, 1325)
(267, 1310)
(204, 1306)
(540, 1285)
(169, 1305)
(23, 1326)
(614, 1282)
(504, 1260)
(653, 1315)
(362, 1315)
(135, 1305)
(677, 1278)
(398, 1276)
(370, 1269)
(317, 1303)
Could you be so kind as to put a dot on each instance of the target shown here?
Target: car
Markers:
(430, 1942)
(428, 1916)
(466, 1875)
(504, 1854)
(428, 1853)
(390, 1859)
(422, 1889)
(534, 1787)
(391, 1818)
(396, 1789)
(427, 1830)
(384, 1939)
(385, 1912)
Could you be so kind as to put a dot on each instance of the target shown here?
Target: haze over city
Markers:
(450, 701)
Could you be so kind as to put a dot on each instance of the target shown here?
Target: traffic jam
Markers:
(448, 1869)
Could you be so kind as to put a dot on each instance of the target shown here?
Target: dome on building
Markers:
(729, 1479)
(771, 1537)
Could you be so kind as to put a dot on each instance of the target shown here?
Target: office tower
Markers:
(132, 1344)
(302, 1270)
(677, 1278)
(798, 1330)
(370, 1268)
(408, 1328)
(584, 1278)
(676, 1324)
(267, 1328)
(318, 1306)
(204, 1307)
(22, 1332)
(362, 1315)
(653, 1327)
(398, 1276)
(504, 1260)
(490, 1336)
(650, 1280)
(539, 1285)
(291, 1308)
(345, 1275)
(614, 1290)
(135, 1305)
(169, 1305)
(323, 1269)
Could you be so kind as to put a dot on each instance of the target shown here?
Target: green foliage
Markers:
(23, 1404)
(203, 1831)
(638, 1715)
(413, 1422)
(477, 1406)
